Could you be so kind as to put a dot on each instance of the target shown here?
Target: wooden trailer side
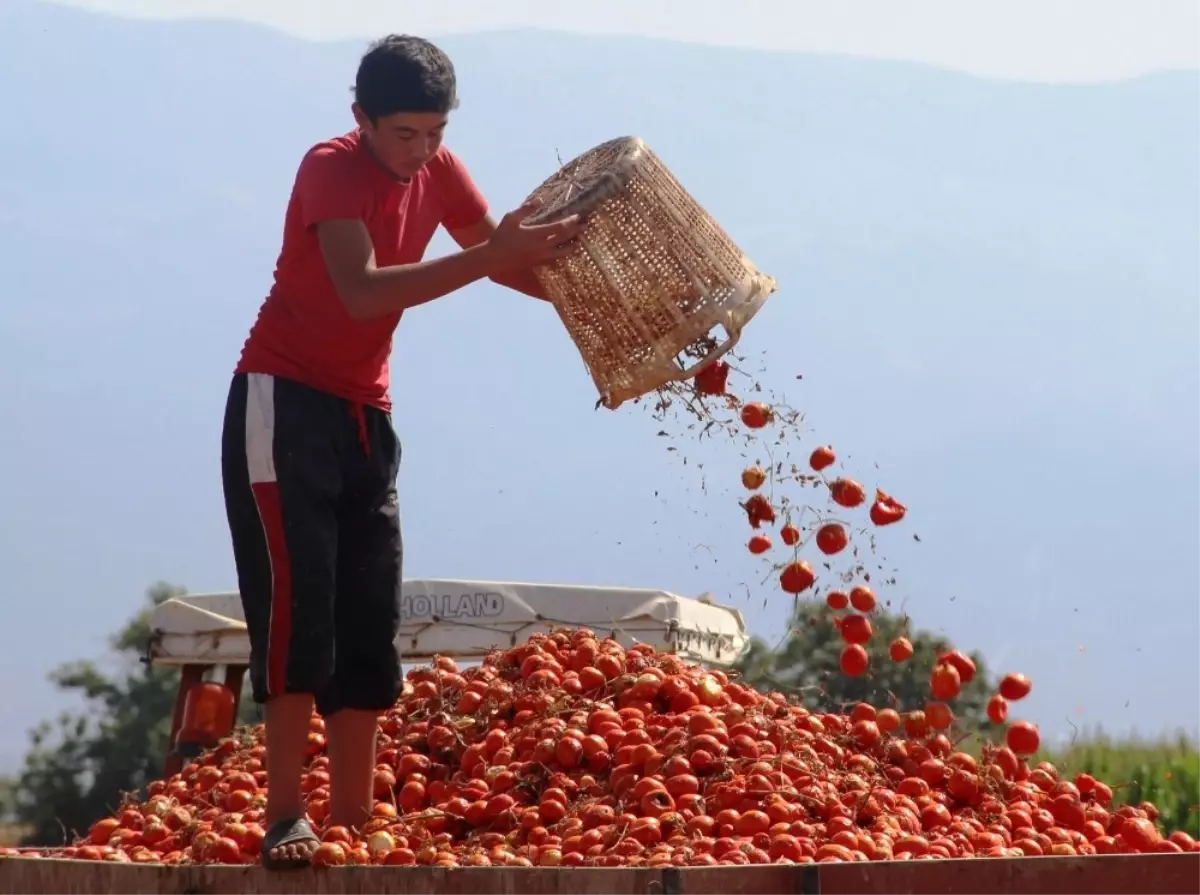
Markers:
(1166, 874)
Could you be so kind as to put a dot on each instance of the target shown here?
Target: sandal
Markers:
(288, 832)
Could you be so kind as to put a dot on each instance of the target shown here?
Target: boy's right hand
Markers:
(518, 245)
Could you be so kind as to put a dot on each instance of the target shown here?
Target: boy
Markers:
(309, 455)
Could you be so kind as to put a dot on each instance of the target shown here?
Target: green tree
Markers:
(79, 766)
(806, 666)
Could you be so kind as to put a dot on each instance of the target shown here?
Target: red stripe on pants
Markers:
(279, 636)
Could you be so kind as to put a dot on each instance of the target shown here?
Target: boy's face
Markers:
(405, 141)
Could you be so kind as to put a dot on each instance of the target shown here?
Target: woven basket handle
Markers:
(723, 348)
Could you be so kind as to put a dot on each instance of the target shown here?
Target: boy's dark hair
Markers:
(401, 73)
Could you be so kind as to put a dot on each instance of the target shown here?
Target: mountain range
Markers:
(990, 290)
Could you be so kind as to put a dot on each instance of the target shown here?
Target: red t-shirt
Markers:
(303, 331)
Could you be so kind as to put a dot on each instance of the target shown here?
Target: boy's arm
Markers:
(369, 291)
(478, 234)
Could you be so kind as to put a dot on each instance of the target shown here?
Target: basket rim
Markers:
(603, 183)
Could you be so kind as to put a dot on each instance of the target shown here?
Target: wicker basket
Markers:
(653, 276)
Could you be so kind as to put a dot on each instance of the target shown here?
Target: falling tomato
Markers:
(837, 599)
(1023, 737)
(832, 538)
(854, 660)
(822, 457)
(753, 477)
(711, 380)
(847, 492)
(886, 509)
(862, 598)
(997, 709)
(1014, 686)
(755, 415)
(944, 681)
(758, 510)
(759, 544)
(796, 577)
(901, 649)
(856, 629)
(963, 664)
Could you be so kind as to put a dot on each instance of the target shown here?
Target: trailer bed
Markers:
(1165, 874)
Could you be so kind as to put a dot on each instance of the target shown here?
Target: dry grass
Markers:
(11, 834)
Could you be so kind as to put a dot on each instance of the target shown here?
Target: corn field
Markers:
(1165, 771)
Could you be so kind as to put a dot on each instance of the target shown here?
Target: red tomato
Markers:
(753, 477)
(755, 415)
(886, 510)
(759, 543)
(1023, 738)
(711, 380)
(797, 576)
(862, 598)
(1014, 686)
(832, 538)
(822, 457)
(854, 660)
(901, 649)
(847, 493)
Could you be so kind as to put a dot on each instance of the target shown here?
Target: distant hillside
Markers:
(990, 289)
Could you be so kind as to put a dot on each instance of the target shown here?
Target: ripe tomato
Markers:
(837, 600)
(886, 509)
(1140, 833)
(832, 538)
(226, 851)
(938, 715)
(790, 535)
(759, 543)
(822, 457)
(755, 415)
(887, 719)
(329, 854)
(854, 660)
(753, 477)
(901, 649)
(945, 681)
(758, 510)
(862, 598)
(962, 663)
(1015, 686)
(915, 724)
(997, 709)
(856, 629)
(847, 492)
(1023, 737)
(102, 830)
(797, 576)
(711, 380)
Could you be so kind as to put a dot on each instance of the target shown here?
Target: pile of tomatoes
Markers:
(570, 750)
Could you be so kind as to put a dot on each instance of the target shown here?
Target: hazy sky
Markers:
(1051, 40)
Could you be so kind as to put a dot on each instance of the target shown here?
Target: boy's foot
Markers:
(289, 845)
